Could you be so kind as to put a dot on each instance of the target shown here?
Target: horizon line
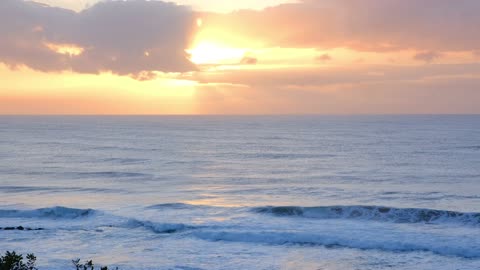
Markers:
(306, 114)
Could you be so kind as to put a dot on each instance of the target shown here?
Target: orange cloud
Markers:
(369, 25)
(367, 89)
(431, 96)
(427, 57)
(324, 57)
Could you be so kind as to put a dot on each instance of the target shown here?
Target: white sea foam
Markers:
(372, 240)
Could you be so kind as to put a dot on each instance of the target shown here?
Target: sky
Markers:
(239, 57)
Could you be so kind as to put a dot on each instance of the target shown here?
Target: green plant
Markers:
(88, 265)
(14, 261)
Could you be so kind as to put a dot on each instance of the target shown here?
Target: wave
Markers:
(377, 236)
(375, 213)
(26, 189)
(471, 147)
(21, 228)
(111, 175)
(329, 240)
(57, 212)
(125, 161)
(358, 212)
(183, 206)
(167, 228)
(280, 155)
(172, 206)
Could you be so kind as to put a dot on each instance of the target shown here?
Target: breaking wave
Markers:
(167, 228)
(57, 212)
(351, 234)
(376, 213)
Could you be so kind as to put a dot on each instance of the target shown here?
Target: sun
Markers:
(214, 46)
(212, 53)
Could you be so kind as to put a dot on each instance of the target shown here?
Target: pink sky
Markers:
(239, 57)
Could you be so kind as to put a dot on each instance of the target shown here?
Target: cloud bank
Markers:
(366, 89)
(124, 37)
(367, 25)
(397, 92)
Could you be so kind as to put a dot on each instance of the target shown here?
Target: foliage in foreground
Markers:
(14, 261)
(88, 265)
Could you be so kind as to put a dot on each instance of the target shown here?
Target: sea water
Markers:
(243, 192)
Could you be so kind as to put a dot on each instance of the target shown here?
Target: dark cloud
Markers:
(323, 57)
(368, 25)
(427, 57)
(248, 60)
(125, 37)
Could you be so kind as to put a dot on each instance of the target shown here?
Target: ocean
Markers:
(243, 192)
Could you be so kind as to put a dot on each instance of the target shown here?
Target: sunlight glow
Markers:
(206, 52)
(105, 93)
(67, 49)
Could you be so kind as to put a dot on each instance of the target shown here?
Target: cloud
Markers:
(133, 38)
(322, 77)
(367, 25)
(324, 57)
(248, 60)
(76, 5)
(435, 88)
(422, 96)
(427, 57)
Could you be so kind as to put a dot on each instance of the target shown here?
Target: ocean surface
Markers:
(238, 192)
